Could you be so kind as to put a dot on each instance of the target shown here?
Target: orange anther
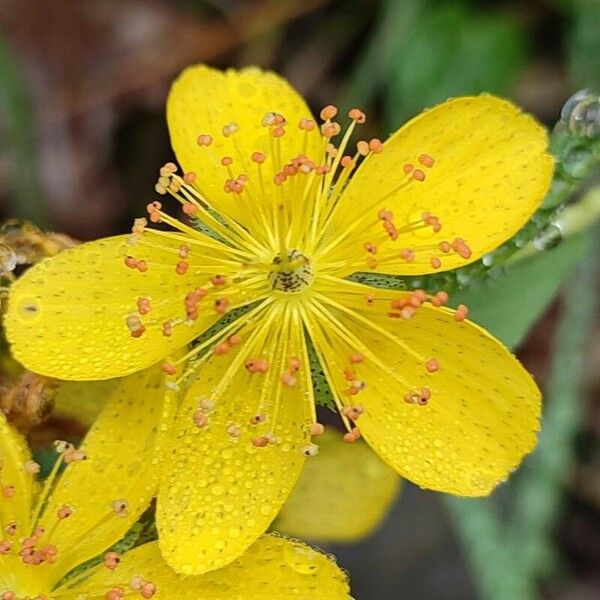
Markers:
(385, 215)
(444, 247)
(442, 297)
(288, 379)
(306, 124)
(352, 436)
(346, 161)
(258, 157)
(234, 339)
(204, 140)
(222, 305)
(362, 148)
(142, 266)
(280, 179)
(436, 263)
(376, 145)
(330, 130)
(221, 348)
(295, 364)
(369, 299)
(356, 358)
(426, 160)
(407, 312)
(168, 368)
(131, 262)
(218, 280)
(407, 168)
(189, 208)
(349, 375)
(462, 312)
(200, 418)
(317, 429)
(407, 254)
(260, 442)
(278, 132)
(371, 248)
(357, 115)
(189, 178)
(418, 175)
(182, 267)
(226, 161)
(328, 112)
(432, 365)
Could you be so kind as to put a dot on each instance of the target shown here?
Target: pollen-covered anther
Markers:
(200, 418)
(222, 305)
(310, 450)
(139, 225)
(356, 386)
(295, 364)
(147, 590)
(369, 299)
(154, 208)
(426, 160)
(385, 215)
(5, 546)
(115, 593)
(444, 247)
(204, 140)
(72, 456)
(306, 124)
(435, 262)
(352, 436)
(234, 339)
(181, 268)
(440, 298)
(111, 560)
(371, 248)
(64, 512)
(260, 442)
(347, 162)
(418, 396)
(189, 208)
(12, 528)
(189, 177)
(317, 429)
(432, 221)
(258, 157)
(376, 145)
(353, 412)
(356, 358)
(288, 379)
(330, 129)
(233, 430)
(61, 446)
(257, 419)
(462, 312)
(418, 175)
(119, 507)
(183, 251)
(349, 375)
(328, 112)
(432, 365)
(168, 368)
(218, 280)
(461, 248)
(135, 326)
(221, 347)
(167, 328)
(143, 305)
(230, 129)
(362, 148)
(31, 467)
(8, 595)
(407, 254)
(357, 115)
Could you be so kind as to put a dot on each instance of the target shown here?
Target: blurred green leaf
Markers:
(451, 51)
(583, 48)
(509, 304)
(16, 127)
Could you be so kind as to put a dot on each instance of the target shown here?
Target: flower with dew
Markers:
(57, 539)
(275, 218)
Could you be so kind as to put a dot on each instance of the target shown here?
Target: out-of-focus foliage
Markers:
(343, 494)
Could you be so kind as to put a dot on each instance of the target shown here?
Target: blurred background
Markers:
(82, 132)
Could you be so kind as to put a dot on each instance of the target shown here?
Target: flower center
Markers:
(291, 272)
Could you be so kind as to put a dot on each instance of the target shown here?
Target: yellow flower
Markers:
(277, 225)
(48, 532)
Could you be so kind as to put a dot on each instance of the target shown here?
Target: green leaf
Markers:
(451, 51)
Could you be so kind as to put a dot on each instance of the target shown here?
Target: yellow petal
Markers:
(67, 315)
(119, 467)
(491, 171)
(273, 568)
(343, 494)
(220, 492)
(483, 413)
(204, 100)
(16, 484)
